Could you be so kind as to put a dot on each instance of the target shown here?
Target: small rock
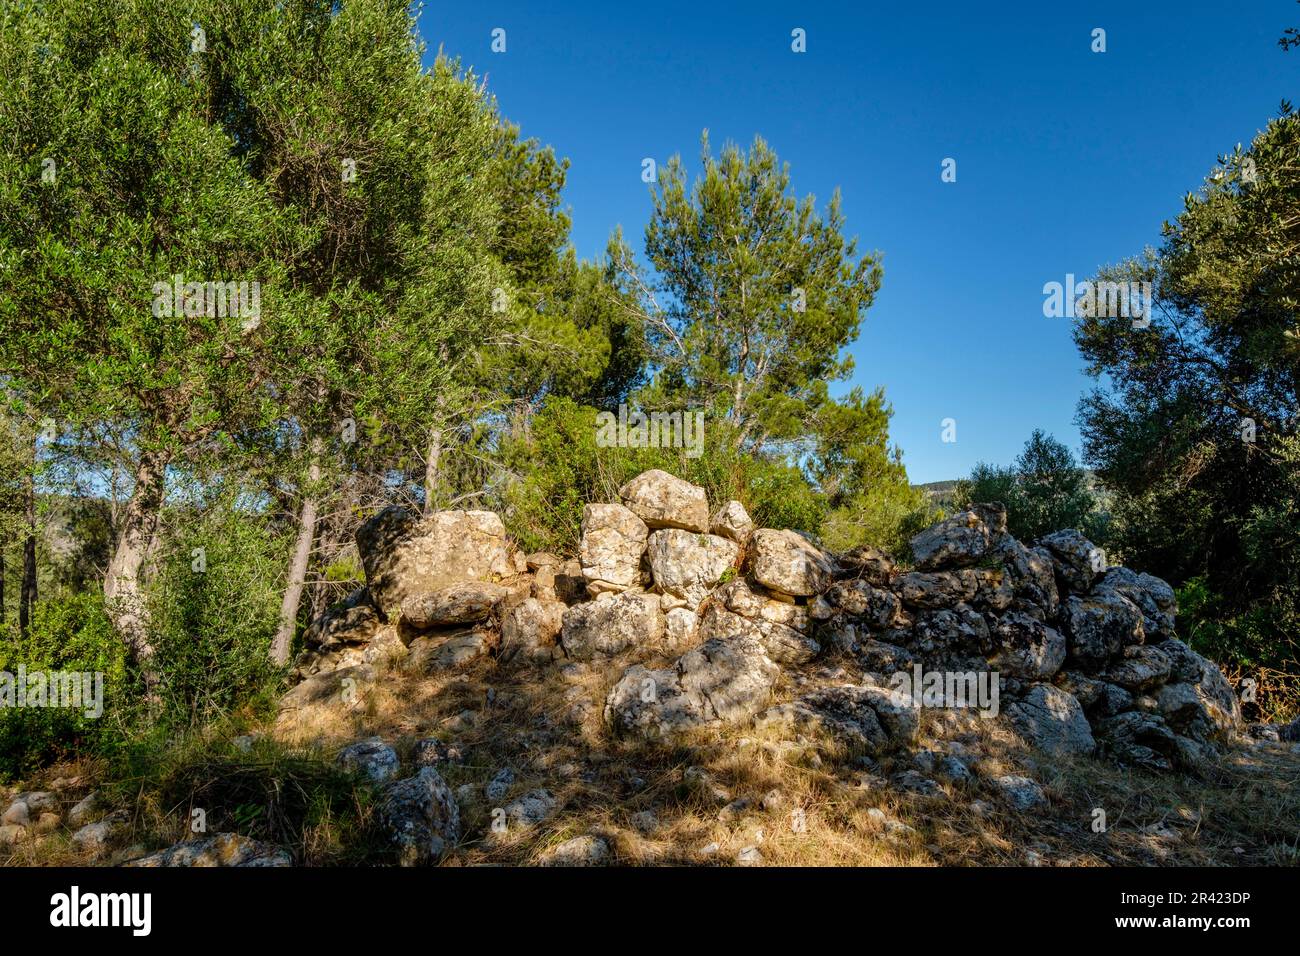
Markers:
(499, 785)
(17, 815)
(79, 815)
(580, 851)
(371, 757)
(1020, 792)
(749, 856)
(645, 822)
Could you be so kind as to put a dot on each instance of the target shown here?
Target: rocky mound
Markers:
(697, 614)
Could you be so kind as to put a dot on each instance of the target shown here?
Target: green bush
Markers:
(558, 468)
(214, 607)
(68, 634)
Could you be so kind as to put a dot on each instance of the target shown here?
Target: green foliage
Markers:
(213, 606)
(752, 297)
(1044, 491)
(558, 467)
(70, 634)
(1195, 433)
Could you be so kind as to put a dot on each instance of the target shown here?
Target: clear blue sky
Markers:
(1066, 159)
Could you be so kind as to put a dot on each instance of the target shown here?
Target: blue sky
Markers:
(1066, 159)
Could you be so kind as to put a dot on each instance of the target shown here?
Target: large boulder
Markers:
(531, 629)
(1154, 597)
(466, 603)
(732, 521)
(1052, 720)
(420, 817)
(1032, 576)
(354, 620)
(611, 625)
(859, 719)
(962, 540)
(934, 589)
(1138, 739)
(787, 562)
(779, 626)
(662, 500)
(1099, 627)
(1141, 667)
(688, 564)
(613, 541)
(1078, 561)
(873, 606)
(721, 681)
(869, 563)
(1026, 648)
(405, 555)
(449, 650)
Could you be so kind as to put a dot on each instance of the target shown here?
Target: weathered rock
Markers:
(1052, 720)
(732, 521)
(1099, 627)
(932, 590)
(1152, 596)
(332, 687)
(1184, 663)
(1138, 739)
(1026, 647)
(613, 541)
(532, 808)
(466, 603)
(717, 682)
(580, 851)
(688, 564)
(1019, 792)
(989, 588)
(371, 757)
(782, 642)
(962, 540)
(1143, 666)
(868, 563)
(531, 630)
(17, 814)
(788, 562)
(863, 719)
(353, 620)
(1078, 561)
(80, 814)
(220, 849)
(94, 837)
(446, 651)
(681, 628)
(404, 555)
(875, 607)
(951, 634)
(542, 559)
(662, 500)
(11, 835)
(1098, 697)
(1032, 576)
(421, 818)
(610, 626)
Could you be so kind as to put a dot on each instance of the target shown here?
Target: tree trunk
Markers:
(432, 463)
(123, 594)
(283, 640)
(27, 599)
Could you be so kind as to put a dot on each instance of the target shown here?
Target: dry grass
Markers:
(1245, 810)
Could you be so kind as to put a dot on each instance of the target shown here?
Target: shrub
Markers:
(70, 633)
